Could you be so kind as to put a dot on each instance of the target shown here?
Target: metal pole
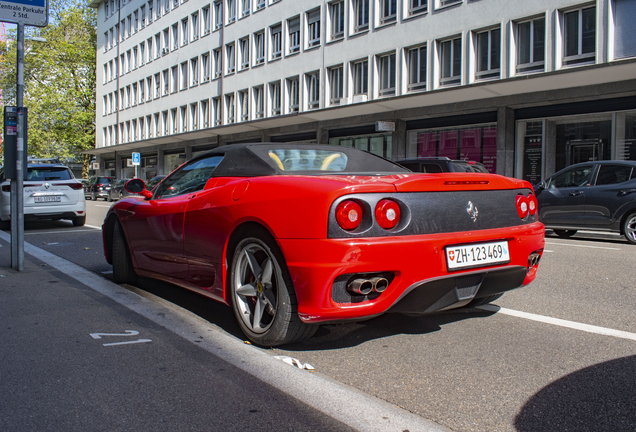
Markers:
(17, 192)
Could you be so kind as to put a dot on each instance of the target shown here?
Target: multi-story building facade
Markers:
(526, 88)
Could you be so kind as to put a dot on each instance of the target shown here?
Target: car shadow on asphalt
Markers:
(598, 398)
(591, 237)
(346, 335)
(328, 336)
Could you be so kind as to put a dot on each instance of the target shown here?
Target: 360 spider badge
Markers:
(472, 211)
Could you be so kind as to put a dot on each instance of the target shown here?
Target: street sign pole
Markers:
(17, 185)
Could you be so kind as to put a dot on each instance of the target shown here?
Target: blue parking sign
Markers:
(136, 157)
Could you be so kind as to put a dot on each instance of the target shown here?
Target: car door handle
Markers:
(576, 193)
(626, 191)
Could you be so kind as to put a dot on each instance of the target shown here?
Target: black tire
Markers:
(123, 271)
(484, 300)
(629, 228)
(79, 221)
(564, 233)
(269, 290)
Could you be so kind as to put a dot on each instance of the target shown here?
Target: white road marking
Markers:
(561, 322)
(107, 272)
(582, 246)
(57, 232)
(545, 250)
(128, 333)
(126, 343)
(93, 226)
(54, 243)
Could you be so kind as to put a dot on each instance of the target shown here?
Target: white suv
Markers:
(50, 192)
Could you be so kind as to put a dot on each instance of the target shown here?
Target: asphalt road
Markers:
(557, 355)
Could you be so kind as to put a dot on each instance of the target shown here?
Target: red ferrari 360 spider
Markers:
(293, 235)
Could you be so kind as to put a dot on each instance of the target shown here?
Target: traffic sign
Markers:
(27, 12)
(136, 157)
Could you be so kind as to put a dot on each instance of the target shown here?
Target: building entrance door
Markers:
(583, 150)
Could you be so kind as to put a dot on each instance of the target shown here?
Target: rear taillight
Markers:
(532, 205)
(387, 213)
(522, 206)
(76, 186)
(349, 215)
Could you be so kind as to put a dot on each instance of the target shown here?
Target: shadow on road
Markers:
(599, 398)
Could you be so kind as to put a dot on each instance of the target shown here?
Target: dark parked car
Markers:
(118, 191)
(441, 164)
(98, 187)
(598, 196)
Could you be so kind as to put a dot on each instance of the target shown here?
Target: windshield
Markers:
(48, 173)
(309, 160)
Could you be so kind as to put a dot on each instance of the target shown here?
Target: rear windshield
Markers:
(49, 173)
(309, 160)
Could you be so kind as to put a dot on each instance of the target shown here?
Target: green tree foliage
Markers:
(59, 79)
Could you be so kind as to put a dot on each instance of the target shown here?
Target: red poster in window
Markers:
(489, 149)
(427, 144)
(470, 145)
(448, 144)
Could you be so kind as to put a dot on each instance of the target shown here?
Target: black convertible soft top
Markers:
(255, 159)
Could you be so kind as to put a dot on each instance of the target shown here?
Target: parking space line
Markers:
(58, 232)
(561, 322)
(93, 226)
(583, 246)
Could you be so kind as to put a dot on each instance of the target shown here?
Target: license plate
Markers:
(477, 255)
(43, 199)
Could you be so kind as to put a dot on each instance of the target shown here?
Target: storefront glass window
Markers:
(477, 143)
(172, 161)
(379, 144)
(626, 136)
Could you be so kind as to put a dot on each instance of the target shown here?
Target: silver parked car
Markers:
(50, 192)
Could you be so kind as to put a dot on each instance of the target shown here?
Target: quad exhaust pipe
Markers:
(366, 286)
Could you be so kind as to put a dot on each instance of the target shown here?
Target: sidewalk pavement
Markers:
(80, 353)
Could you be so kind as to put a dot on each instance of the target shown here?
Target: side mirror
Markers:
(137, 186)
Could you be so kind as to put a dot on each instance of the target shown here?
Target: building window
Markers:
(205, 66)
(175, 36)
(443, 3)
(274, 92)
(216, 106)
(259, 48)
(294, 35)
(218, 64)
(388, 11)
(184, 32)
(165, 122)
(149, 86)
(416, 63)
(386, 74)
(313, 27)
(205, 114)
(488, 55)
(531, 46)
(229, 108)
(313, 90)
(184, 75)
(157, 85)
(218, 15)
(244, 102)
(579, 36)
(183, 118)
(205, 20)
(336, 85)
(336, 17)
(245, 8)
(361, 15)
(229, 54)
(142, 91)
(194, 70)
(194, 115)
(142, 53)
(450, 52)
(134, 94)
(231, 11)
(260, 4)
(175, 78)
(259, 104)
(624, 29)
(195, 25)
(360, 72)
(276, 40)
(293, 94)
(244, 46)
(417, 6)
